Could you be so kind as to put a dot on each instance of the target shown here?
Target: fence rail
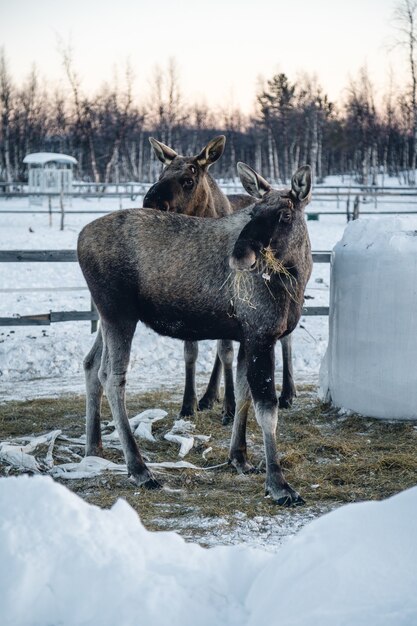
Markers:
(69, 256)
(85, 188)
(134, 189)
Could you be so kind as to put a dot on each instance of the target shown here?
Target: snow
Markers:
(41, 158)
(370, 362)
(67, 562)
(48, 360)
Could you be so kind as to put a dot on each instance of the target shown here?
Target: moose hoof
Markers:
(152, 483)
(207, 402)
(187, 411)
(285, 402)
(227, 419)
(94, 451)
(289, 501)
(241, 464)
(228, 414)
(284, 496)
(146, 480)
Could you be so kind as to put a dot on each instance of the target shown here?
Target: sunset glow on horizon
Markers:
(221, 49)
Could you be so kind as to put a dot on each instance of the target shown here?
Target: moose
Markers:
(186, 186)
(182, 276)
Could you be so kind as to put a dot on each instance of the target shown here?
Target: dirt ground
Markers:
(329, 458)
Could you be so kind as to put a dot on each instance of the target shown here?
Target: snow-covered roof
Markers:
(41, 158)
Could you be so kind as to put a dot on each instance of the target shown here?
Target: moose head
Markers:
(277, 219)
(185, 185)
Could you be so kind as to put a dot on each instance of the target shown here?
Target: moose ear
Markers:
(212, 151)
(163, 152)
(254, 184)
(301, 183)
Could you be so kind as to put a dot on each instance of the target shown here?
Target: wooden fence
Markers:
(70, 256)
(367, 195)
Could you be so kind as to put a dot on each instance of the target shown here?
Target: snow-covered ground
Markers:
(45, 361)
(49, 359)
(66, 562)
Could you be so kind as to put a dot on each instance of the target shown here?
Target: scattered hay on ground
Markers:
(330, 459)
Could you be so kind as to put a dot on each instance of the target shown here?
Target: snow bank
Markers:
(64, 561)
(370, 362)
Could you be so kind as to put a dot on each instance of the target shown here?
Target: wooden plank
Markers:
(315, 310)
(38, 256)
(80, 316)
(68, 256)
(321, 257)
(94, 322)
(27, 320)
(73, 316)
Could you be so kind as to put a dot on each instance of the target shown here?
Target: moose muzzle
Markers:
(244, 256)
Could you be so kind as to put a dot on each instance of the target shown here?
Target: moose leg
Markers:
(189, 401)
(212, 393)
(238, 450)
(289, 391)
(262, 385)
(117, 339)
(94, 394)
(225, 352)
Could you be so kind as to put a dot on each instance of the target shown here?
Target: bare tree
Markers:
(166, 108)
(6, 94)
(362, 125)
(405, 21)
(83, 110)
(120, 104)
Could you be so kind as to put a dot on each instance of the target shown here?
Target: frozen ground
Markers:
(66, 562)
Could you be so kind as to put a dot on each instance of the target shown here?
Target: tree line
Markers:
(294, 123)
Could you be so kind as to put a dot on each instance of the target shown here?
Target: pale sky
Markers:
(221, 46)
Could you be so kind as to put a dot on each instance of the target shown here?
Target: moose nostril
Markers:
(243, 262)
(165, 205)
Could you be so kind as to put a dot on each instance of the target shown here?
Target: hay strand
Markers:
(243, 287)
(269, 264)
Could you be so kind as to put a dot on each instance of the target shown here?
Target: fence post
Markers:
(356, 206)
(94, 323)
(61, 200)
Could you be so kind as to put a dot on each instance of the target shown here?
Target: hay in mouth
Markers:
(267, 265)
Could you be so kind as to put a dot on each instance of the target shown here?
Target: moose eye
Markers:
(192, 169)
(187, 183)
(285, 216)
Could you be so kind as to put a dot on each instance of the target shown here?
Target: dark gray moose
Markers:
(184, 277)
(186, 186)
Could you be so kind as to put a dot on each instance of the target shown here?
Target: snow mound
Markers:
(66, 562)
(370, 361)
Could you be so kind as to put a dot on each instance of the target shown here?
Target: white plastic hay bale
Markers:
(371, 362)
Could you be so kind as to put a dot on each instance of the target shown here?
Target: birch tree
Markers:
(405, 21)
(6, 95)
